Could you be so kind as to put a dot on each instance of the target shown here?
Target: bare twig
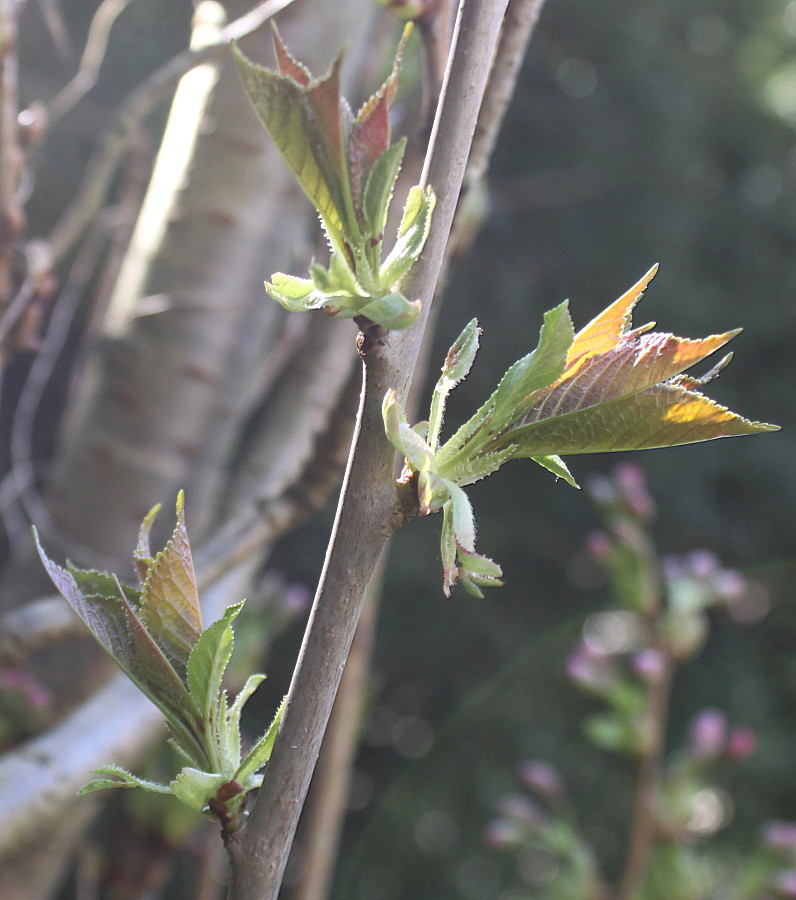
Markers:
(366, 513)
(55, 25)
(93, 55)
(101, 167)
(435, 27)
(10, 150)
(518, 26)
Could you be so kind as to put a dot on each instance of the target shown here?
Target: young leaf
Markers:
(260, 753)
(412, 234)
(195, 788)
(538, 369)
(448, 550)
(379, 187)
(234, 714)
(208, 662)
(142, 557)
(557, 466)
(281, 105)
(462, 516)
(170, 600)
(455, 369)
(122, 779)
(392, 311)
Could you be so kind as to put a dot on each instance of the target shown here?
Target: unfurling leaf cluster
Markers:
(153, 632)
(348, 168)
(609, 387)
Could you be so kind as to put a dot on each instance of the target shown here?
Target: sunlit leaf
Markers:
(280, 102)
(170, 600)
(208, 662)
(663, 416)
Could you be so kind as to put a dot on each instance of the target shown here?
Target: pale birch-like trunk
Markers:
(201, 383)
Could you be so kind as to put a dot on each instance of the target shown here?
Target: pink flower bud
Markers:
(703, 563)
(504, 834)
(707, 738)
(785, 883)
(633, 486)
(520, 808)
(649, 664)
(591, 670)
(741, 744)
(781, 836)
(543, 778)
(599, 545)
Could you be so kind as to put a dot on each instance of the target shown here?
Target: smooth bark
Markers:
(367, 511)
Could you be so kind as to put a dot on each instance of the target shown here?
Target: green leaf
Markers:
(463, 520)
(142, 557)
(401, 436)
(281, 105)
(539, 368)
(195, 788)
(208, 662)
(295, 294)
(170, 600)
(557, 466)
(455, 369)
(432, 492)
(260, 753)
(479, 565)
(122, 779)
(379, 187)
(412, 234)
(663, 416)
(234, 714)
(448, 550)
(391, 311)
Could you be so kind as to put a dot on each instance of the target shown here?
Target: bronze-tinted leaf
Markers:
(170, 600)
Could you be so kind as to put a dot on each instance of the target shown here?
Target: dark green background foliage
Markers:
(641, 131)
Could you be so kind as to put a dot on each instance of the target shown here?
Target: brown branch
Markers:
(518, 26)
(93, 55)
(99, 172)
(366, 513)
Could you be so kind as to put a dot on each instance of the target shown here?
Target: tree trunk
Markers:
(195, 386)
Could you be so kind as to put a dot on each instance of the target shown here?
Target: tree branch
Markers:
(367, 510)
(518, 26)
(93, 54)
(10, 150)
